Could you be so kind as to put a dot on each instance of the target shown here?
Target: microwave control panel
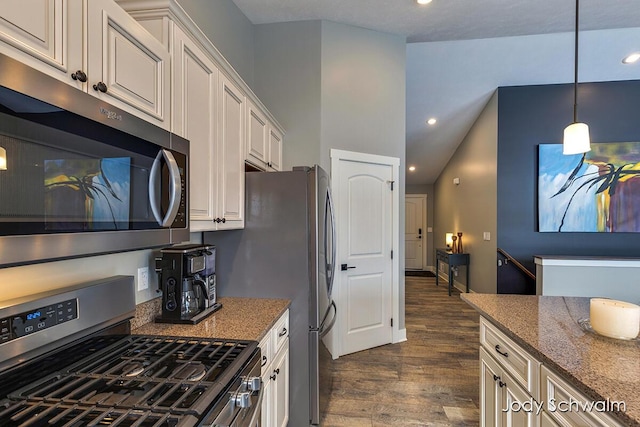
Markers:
(32, 321)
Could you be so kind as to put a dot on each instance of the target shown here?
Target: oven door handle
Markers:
(175, 188)
(257, 412)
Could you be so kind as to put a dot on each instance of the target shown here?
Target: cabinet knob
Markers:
(501, 384)
(80, 76)
(273, 377)
(100, 86)
(276, 371)
(223, 220)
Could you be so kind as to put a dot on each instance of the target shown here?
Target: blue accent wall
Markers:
(532, 115)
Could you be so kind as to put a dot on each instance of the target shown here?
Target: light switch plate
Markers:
(143, 278)
(486, 235)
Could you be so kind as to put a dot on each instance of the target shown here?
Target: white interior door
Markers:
(364, 217)
(414, 234)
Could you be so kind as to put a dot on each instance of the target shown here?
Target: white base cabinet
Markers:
(275, 374)
(118, 61)
(517, 390)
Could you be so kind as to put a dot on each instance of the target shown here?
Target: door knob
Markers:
(344, 267)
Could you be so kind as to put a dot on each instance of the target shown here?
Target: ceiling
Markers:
(450, 20)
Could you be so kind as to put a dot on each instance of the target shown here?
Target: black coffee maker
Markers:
(187, 277)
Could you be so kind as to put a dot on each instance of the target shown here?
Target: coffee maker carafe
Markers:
(187, 277)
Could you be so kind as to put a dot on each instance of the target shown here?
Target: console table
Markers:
(452, 260)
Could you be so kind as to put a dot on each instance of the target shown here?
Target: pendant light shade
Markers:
(576, 139)
(576, 135)
(3, 159)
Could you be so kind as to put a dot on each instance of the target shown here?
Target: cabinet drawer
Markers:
(281, 331)
(565, 404)
(523, 367)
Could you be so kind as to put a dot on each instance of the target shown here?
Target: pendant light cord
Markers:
(575, 69)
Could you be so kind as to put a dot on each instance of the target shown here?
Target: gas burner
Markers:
(132, 369)
(190, 371)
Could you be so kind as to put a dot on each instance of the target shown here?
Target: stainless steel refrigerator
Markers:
(286, 250)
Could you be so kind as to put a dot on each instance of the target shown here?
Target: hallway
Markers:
(429, 380)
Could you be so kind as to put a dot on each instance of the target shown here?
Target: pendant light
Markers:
(576, 135)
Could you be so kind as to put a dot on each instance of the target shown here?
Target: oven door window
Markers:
(66, 173)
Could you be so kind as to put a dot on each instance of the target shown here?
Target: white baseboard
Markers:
(400, 335)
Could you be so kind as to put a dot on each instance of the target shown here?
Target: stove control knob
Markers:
(242, 399)
(252, 383)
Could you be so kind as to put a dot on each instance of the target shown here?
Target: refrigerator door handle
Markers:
(324, 329)
(330, 267)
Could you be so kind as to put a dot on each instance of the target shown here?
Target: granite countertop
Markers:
(546, 326)
(238, 319)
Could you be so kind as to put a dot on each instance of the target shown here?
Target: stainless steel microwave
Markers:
(82, 177)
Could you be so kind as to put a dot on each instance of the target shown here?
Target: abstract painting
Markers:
(598, 191)
(87, 194)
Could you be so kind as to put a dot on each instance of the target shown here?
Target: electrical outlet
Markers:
(143, 278)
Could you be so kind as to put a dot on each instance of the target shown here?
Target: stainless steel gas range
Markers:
(67, 358)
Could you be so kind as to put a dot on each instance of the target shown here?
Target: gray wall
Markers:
(228, 29)
(335, 86)
(288, 56)
(429, 190)
(471, 206)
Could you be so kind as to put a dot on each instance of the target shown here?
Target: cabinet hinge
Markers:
(391, 182)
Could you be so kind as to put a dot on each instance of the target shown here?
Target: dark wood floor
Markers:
(429, 380)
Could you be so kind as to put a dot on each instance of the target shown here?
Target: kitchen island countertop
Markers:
(547, 327)
(238, 319)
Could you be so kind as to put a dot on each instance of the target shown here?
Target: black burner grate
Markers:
(136, 381)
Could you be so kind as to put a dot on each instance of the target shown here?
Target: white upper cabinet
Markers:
(216, 111)
(195, 83)
(44, 34)
(125, 65)
(128, 67)
(264, 140)
(275, 148)
(257, 136)
(230, 164)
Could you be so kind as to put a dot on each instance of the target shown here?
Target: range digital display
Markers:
(33, 321)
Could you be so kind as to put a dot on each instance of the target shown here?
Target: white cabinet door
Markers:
(275, 149)
(513, 397)
(275, 374)
(281, 387)
(266, 410)
(499, 393)
(489, 391)
(195, 83)
(230, 165)
(257, 134)
(127, 66)
(44, 34)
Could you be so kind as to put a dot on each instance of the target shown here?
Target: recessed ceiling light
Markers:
(634, 57)
(423, 1)
(412, 168)
(432, 121)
